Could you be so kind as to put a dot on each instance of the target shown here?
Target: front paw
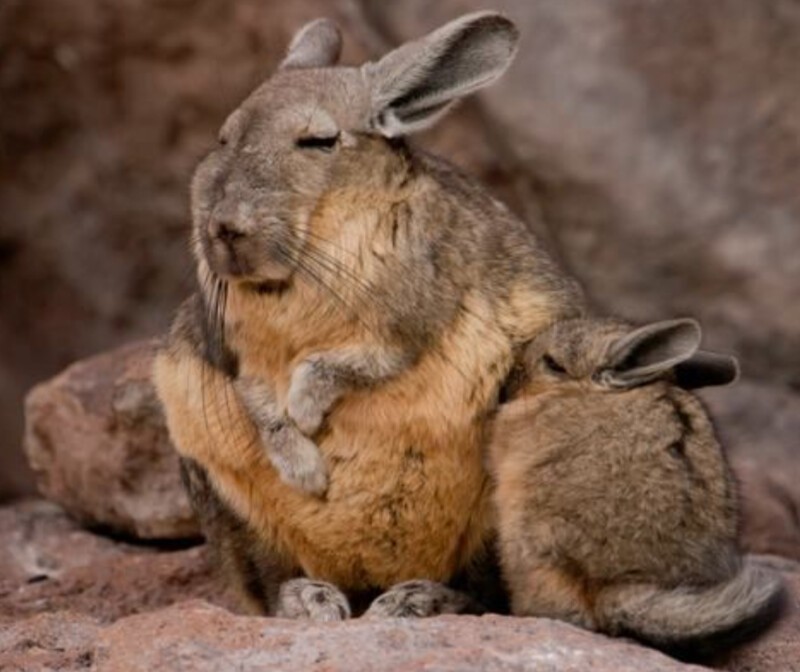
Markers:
(419, 599)
(309, 398)
(313, 600)
(299, 462)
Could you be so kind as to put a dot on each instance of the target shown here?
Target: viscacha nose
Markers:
(225, 231)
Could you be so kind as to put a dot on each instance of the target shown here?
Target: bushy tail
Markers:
(696, 622)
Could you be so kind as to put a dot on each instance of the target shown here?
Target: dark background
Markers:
(656, 145)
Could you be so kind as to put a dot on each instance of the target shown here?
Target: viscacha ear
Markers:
(649, 352)
(706, 369)
(414, 85)
(318, 44)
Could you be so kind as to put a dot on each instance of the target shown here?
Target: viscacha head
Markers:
(315, 131)
(602, 354)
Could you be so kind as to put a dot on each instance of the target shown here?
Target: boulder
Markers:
(97, 441)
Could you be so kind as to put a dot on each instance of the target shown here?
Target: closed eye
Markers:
(553, 365)
(325, 144)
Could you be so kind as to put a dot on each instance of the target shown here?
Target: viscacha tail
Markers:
(695, 622)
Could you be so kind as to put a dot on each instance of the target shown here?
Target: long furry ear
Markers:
(414, 85)
(651, 351)
(318, 44)
(706, 369)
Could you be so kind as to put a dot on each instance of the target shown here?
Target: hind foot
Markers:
(418, 599)
(312, 600)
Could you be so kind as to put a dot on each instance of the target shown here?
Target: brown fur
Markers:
(617, 509)
(414, 468)
(368, 245)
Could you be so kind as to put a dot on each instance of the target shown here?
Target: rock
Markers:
(197, 636)
(661, 142)
(49, 563)
(760, 427)
(54, 641)
(38, 541)
(138, 580)
(97, 441)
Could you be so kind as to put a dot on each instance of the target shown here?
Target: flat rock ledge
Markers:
(198, 636)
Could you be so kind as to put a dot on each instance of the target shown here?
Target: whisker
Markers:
(395, 259)
(324, 261)
(220, 311)
(407, 268)
(315, 271)
(203, 363)
(362, 292)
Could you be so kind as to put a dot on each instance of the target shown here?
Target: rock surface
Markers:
(198, 636)
(97, 440)
(48, 563)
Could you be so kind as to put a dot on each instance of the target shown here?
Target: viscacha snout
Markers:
(244, 241)
(247, 221)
